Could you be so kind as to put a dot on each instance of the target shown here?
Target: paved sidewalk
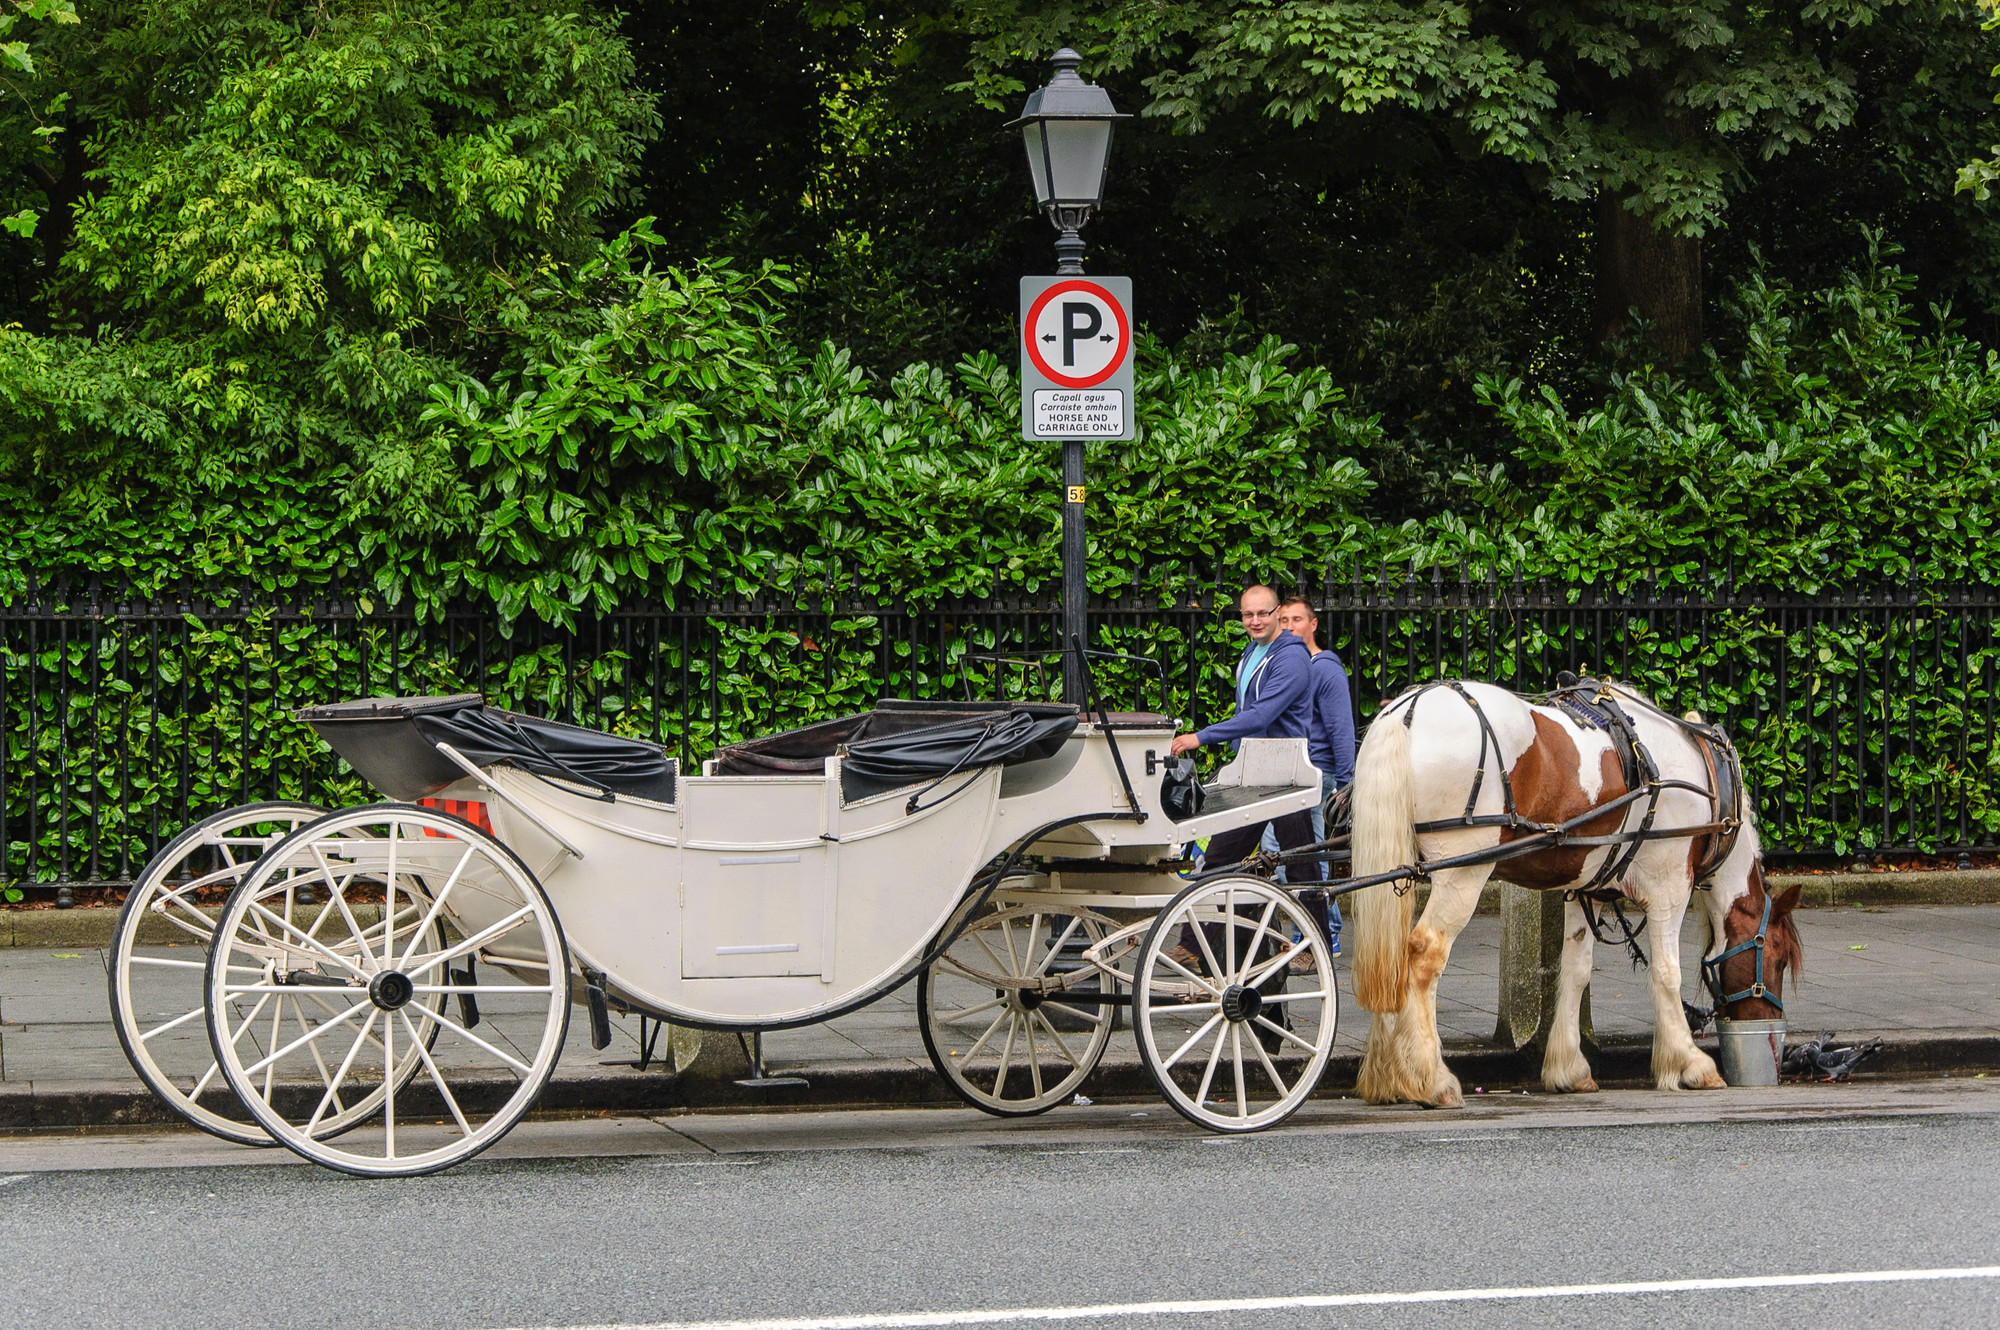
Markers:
(1925, 978)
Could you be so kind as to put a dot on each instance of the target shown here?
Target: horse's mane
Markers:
(1789, 951)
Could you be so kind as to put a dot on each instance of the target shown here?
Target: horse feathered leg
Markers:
(1564, 1069)
(1417, 1051)
(1378, 918)
(1677, 1062)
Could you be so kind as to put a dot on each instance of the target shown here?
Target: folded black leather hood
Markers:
(901, 744)
(392, 742)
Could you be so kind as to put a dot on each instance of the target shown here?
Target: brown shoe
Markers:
(1303, 963)
(1183, 955)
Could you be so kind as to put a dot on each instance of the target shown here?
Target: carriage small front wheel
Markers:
(1012, 1018)
(1234, 1004)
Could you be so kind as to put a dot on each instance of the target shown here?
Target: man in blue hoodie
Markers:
(1273, 701)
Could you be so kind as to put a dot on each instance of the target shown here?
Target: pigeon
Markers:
(1698, 1018)
(1824, 1059)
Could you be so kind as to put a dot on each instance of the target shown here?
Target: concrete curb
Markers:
(86, 1104)
(92, 926)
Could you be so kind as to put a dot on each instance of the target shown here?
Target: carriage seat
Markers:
(902, 743)
(393, 742)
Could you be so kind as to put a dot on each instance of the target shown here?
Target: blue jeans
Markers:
(1270, 842)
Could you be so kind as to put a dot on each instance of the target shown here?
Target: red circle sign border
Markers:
(1035, 352)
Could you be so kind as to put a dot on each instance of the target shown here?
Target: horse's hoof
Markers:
(1708, 1080)
(1585, 1086)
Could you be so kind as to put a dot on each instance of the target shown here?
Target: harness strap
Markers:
(1711, 970)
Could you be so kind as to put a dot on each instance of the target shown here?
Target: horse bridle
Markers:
(1711, 970)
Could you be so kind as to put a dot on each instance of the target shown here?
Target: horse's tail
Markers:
(1384, 838)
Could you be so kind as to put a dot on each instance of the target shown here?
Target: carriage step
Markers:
(468, 1005)
(600, 1010)
(753, 1048)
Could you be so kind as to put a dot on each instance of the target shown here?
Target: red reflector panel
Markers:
(472, 810)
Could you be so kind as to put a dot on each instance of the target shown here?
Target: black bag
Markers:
(1180, 789)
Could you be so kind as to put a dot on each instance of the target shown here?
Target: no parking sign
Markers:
(1076, 358)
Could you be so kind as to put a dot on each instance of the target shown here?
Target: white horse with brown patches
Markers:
(1428, 786)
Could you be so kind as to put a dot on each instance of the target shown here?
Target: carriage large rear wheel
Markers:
(1006, 1012)
(158, 963)
(474, 983)
(1227, 1042)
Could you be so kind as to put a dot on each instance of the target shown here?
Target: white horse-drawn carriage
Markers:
(386, 989)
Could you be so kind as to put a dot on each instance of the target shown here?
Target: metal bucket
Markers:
(1751, 1051)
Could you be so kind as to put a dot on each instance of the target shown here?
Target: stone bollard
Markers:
(1531, 940)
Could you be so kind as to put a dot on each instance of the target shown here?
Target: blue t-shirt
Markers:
(1246, 670)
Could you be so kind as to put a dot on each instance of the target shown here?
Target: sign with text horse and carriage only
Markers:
(1076, 358)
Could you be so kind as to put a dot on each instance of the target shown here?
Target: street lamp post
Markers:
(1067, 126)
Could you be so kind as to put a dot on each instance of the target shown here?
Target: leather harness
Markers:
(1711, 970)
(1597, 699)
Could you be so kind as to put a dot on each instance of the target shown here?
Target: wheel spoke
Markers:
(1034, 1057)
(998, 964)
(464, 1033)
(502, 989)
(166, 961)
(1192, 1040)
(1006, 1057)
(970, 1012)
(389, 1076)
(316, 1032)
(1258, 976)
(1236, 1059)
(1229, 934)
(1046, 1025)
(1281, 1030)
(354, 1050)
(337, 892)
(325, 1077)
(475, 942)
(312, 942)
(178, 1020)
(1176, 965)
(1208, 1073)
(206, 1077)
(1293, 997)
(1201, 940)
(1271, 1070)
(1257, 940)
(437, 905)
(437, 1077)
(1055, 946)
(981, 1042)
(277, 1034)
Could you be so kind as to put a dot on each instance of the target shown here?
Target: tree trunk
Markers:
(1654, 271)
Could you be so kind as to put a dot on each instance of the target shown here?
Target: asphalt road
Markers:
(629, 1222)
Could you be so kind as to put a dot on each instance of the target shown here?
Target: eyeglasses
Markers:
(1256, 614)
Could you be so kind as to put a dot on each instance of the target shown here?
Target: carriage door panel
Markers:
(755, 888)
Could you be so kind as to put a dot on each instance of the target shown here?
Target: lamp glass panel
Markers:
(1038, 159)
(1077, 151)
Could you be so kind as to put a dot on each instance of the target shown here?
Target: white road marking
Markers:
(1214, 1306)
(1057, 1154)
(13, 1178)
(708, 1163)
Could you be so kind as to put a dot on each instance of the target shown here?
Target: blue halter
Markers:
(1711, 970)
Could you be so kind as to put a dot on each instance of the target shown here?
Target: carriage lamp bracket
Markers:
(479, 778)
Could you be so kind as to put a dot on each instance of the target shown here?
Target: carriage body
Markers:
(1017, 859)
(781, 898)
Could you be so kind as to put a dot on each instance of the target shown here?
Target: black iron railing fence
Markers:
(1865, 715)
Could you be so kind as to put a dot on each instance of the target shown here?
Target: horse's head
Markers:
(1758, 944)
